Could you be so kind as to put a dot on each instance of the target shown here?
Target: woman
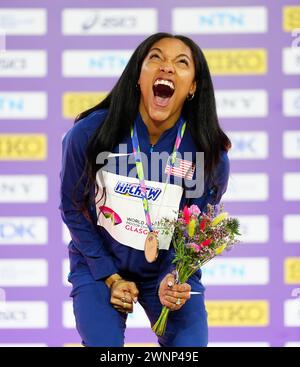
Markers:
(164, 95)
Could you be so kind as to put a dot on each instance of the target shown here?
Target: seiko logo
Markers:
(23, 146)
(133, 189)
(238, 313)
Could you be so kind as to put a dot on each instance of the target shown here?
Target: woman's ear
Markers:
(193, 87)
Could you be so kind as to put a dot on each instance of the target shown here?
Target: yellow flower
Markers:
(219, 219)
(191, 227)
(220, 249)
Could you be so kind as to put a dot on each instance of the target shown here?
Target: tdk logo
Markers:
(133, 189)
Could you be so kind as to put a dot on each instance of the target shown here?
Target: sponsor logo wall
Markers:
(59, 58)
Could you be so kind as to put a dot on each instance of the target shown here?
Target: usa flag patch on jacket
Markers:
(181, 168)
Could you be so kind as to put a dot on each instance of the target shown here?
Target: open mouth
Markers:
(163, 90)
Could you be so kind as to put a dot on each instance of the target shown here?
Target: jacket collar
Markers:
(143, 133)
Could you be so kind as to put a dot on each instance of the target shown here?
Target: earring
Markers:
(190, 96)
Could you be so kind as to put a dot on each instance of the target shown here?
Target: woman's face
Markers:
(166, 79)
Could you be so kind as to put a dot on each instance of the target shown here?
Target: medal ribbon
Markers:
(140, 170)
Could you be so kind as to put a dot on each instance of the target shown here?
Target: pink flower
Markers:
(194, 210)
(194, 246)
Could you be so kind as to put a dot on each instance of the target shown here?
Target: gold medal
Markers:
(151, 247)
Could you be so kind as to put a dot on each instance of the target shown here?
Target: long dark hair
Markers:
(200, 114)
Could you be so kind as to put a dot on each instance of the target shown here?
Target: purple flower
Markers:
(185, 234)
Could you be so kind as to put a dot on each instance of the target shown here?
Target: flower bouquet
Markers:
(198, 238)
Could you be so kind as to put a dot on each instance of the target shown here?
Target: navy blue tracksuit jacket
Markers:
(99, 250)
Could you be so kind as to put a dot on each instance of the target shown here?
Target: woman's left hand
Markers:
(173, 295)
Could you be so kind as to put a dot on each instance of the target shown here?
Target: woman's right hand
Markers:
(123, 294)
